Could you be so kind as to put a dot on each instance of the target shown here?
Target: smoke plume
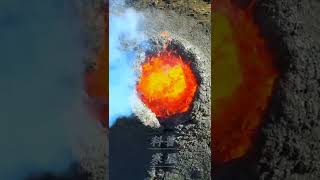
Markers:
(125, 29)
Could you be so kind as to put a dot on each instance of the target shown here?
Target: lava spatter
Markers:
(167, 84)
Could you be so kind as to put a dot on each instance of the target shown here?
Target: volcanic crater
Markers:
(172, 98)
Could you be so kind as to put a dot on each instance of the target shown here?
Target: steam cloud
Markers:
(125, 27)
(40, 82)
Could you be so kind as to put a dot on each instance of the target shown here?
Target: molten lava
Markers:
(167, 84)
(244, 75)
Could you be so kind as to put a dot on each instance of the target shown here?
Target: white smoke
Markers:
(126, 27)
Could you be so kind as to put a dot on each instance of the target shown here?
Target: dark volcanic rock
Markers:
(193, 135)
(288, 147)
(289, 142)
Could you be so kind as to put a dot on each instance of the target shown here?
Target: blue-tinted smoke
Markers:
(125, 28)
(40, 79)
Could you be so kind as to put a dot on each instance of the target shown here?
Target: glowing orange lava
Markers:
(244, 78)
(167, 84)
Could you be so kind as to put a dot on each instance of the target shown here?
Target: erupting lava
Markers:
(167, 84)
(245, 75)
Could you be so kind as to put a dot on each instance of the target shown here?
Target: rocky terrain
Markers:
(289, 142)
(192, 134)
(290, 138)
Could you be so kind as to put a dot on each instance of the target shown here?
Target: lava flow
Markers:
(245, 75)
(167, 84)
